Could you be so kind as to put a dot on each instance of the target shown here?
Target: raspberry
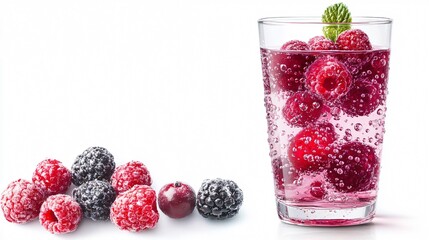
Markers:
(328, 77)
(283, 173)
(93, 163)
(353, 39)
(21, 201)
(135, 210)
(302, 108)
(176, 200)
(60, 214)
(354, 61)
(219, 199)
(321, 43)
(352, 167)
(130, 174)
(362, 99)
(52, 177)
(309, 149)
(295, 45)
(287, 69)
(317, 190)
(377, 68)
(95, 198)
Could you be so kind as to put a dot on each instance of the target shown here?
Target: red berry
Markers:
(353, 39)
(176, 200)
(317, 190)
(135, 209)
(132, 173)
(60, 214)
(309, 149)
(362, 99)
(377, 68)
(52, 177)
(352, 167)
(286, 69)
(283, 173)
(295, 45)
(302, 108)
(321, 43)
(329, 78)
(21, 201)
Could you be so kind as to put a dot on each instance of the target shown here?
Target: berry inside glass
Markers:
(325, 101)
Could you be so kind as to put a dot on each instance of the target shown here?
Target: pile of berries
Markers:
(319, 79)
(105, 192)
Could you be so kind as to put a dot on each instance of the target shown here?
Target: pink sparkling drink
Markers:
(326, 103)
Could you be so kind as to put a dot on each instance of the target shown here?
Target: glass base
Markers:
(328, 217)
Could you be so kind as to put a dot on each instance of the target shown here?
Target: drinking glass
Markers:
(325, 107)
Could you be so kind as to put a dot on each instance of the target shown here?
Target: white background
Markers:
(178, 86)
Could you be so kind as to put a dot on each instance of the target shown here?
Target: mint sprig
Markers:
(337, 13)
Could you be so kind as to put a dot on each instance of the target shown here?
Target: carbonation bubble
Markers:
(358, 127)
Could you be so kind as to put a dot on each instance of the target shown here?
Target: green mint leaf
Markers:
(337, 13)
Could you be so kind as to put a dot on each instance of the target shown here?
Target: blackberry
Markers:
(219, 199)
(93, 163)
(95, 198)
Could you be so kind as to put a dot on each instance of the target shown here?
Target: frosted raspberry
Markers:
(60, 214)
(130, 174)
(21, 201)
(52, 177)
(135, 210)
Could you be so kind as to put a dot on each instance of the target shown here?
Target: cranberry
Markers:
(176, 200)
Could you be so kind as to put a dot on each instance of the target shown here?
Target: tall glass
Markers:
(326, 105)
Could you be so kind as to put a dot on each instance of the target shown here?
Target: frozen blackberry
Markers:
(93, 163)
(219, 199)
(95, 198)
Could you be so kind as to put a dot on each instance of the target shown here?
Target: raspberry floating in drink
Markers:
(309, 149)
(328, 78)
(352, 167)
(287, 69)
(302, 109)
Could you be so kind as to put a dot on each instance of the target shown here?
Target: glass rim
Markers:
(357, 20)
